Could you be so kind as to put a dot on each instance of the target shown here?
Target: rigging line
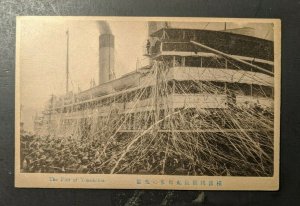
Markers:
(120, 127)
(229, 56)
(247, 74)
(261, 80)
(252, 76)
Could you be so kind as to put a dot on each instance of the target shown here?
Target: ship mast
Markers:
(67, 63)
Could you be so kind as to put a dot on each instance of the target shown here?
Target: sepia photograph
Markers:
(147, 102)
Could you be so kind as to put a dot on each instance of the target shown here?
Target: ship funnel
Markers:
(106, 53)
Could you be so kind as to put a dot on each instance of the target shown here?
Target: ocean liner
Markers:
(202, 106)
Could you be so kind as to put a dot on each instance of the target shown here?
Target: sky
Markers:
(43, 55)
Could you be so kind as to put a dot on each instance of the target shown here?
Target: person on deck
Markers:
(148, 46)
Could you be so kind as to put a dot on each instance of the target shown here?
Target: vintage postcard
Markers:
(147, 102)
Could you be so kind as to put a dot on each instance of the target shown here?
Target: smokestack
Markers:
(106, 53)
(104, 27)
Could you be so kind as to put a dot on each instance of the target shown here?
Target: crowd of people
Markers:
(54, 155)
(46, 154)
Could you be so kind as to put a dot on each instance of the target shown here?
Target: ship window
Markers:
(131, 120)
(245, 88)
(179, 46)
(216, 87)
(145, 93)
(262, 91)
(193, 61)
(209, 87)
(189, 34)
(241, 66)
(212, 62)
(187, 87)
(93, 104)
(257, 91)
(177, 62)
(106, 101)
(264, 66)
(231, 65)
(174, 34)
(119, 98)
(156, 48)
(170, 86)
(268, 91)
(234, 87)
(130, 96)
